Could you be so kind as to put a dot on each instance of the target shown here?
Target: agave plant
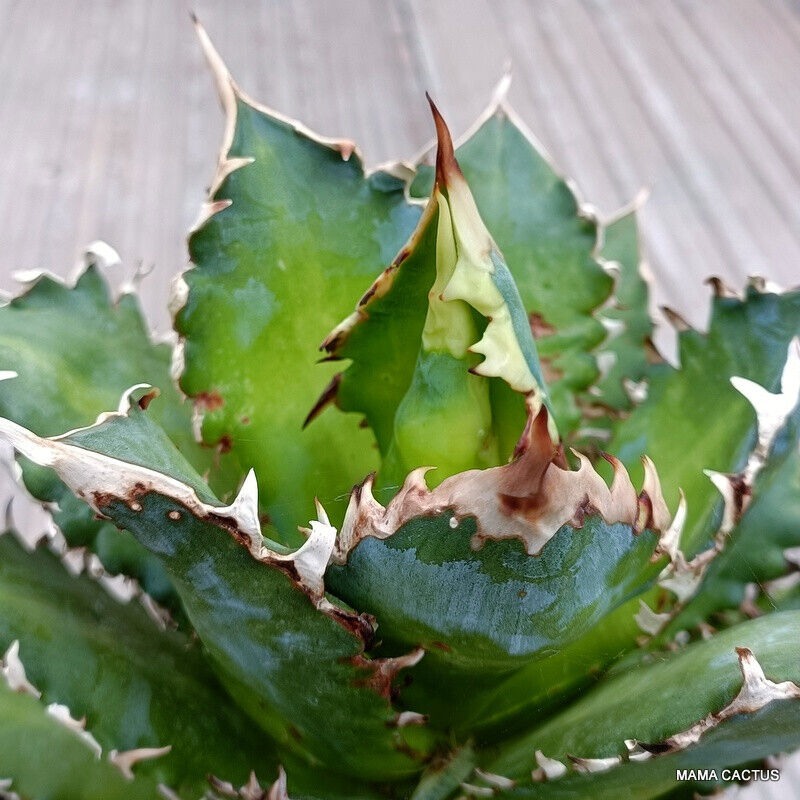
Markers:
(499, 608)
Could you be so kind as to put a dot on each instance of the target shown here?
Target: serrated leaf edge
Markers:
(13, 672)
(757, 691)
(529, 499)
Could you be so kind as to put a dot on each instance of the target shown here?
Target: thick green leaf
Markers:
(735, 751)
(549, 243)
(671, 697)
(497, 607)
(494, 569)
(755, 552)
(496, 708)
(472, 365)
(693, 418)
(293, 232)
(292, 660)
(137, 686)
(49, 762)
(623, 355)
(75, 350)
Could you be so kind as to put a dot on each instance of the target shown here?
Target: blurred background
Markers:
(110, 125)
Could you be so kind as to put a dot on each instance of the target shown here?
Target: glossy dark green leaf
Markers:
(693, 418)
(494, 608)
(292, 660)
(659, 701)
(293, 232)
(136, 685)
(734, 751)
(548, 242)
(498, 708)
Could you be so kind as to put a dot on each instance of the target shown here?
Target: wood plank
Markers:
(727, 145)
(635, 152)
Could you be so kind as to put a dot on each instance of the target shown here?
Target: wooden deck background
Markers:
(109, 123)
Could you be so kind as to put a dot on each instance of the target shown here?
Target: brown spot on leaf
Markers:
(294, 733)
(539, 325)
(209, 401)
(224, 444)
(105, 499)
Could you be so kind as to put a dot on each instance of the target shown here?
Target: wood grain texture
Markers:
(110, 125)
(110, 122)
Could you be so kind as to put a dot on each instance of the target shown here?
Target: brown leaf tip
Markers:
(446, 164)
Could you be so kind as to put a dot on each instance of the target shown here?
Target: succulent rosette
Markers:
(542, 561)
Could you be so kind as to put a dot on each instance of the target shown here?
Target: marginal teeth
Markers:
(406, 718)
(605, 362)
(676, 320)
(614, 327)
(635, 751)
(652, 487)
(792, 555)
(78, 726)
(636, 391)
(126, 760)
(682, 577)
(594, 764)
(495, 781)
(726, 489)
(252, 790)
(549, 768)
(312, 558)
(757, 691)
(671, 537)
(244, 510)
(14, 672)
(650, 621)
(762, 285)
(721, 289)
(772, 410)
